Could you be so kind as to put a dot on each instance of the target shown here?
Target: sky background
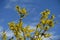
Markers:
(8, 13)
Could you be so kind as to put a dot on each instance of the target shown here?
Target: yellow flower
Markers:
(21, 38)
(47, 21)
(45, 13)
(46, 28)
(12, 25)
(52, 17)
(39, 26)
(16, 33)
(27, 27)
(19, 26)
(39, 38)
(24, 11)
(44, 17)
(31, 30)
(51, 23)
(27, 35)
(24, 30)
(18, 9)
(16, 29)
(21, 11)
(47, 35)
(36, 33)
(43, 22)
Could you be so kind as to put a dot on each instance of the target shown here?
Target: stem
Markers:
(24, 36)
(22, 30)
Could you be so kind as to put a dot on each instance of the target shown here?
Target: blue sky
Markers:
(8, 12)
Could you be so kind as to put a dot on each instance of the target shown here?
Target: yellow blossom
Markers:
(43, 13)
(16, 33)
(12, 25)
(31, 30)
(39, 26)
(18, 9)
(27, 35)
(43, 22)
(17, 27)
(47, 35)
(52, 17)
(24, 30)
(51, 23)
(36, 33)
(21, 38)
(46, 28)
(39, 38)
(27, 27)
(44, 17)
(47, 21)
(24, 11)
(46, 12)
(21, 11)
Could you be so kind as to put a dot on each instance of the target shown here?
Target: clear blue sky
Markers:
(8, 12)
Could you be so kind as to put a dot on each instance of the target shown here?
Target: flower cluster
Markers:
(44, 25)
(22, 11)
(21, 32)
